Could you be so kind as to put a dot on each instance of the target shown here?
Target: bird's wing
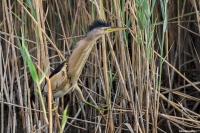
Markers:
(57, 77)
(65, 82)
(58, 69)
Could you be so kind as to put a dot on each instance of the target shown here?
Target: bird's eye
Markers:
(103, 28)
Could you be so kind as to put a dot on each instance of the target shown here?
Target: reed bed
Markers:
(145, 78)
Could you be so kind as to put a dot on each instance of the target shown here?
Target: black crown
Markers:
(97, 24)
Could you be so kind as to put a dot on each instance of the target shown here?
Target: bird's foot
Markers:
(55, 106)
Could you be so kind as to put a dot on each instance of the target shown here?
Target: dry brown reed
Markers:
(122, 74)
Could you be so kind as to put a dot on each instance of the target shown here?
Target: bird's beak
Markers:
(112, 29)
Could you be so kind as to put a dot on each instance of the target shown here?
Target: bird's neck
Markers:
(79, 57)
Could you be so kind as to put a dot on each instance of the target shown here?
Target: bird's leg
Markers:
(100, 110)
(55, 106)
(80, 95)
(94, 106)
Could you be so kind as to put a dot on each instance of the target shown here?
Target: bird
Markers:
(64, 78)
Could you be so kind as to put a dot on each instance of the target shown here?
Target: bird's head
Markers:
(100, 27)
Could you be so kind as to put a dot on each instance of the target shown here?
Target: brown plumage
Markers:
(64, 78)
(57, 78)
(78, 58)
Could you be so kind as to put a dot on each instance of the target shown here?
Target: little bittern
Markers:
(64, 78)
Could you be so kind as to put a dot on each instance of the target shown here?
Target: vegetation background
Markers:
(153, 69)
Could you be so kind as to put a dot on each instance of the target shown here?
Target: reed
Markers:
(146, 78)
